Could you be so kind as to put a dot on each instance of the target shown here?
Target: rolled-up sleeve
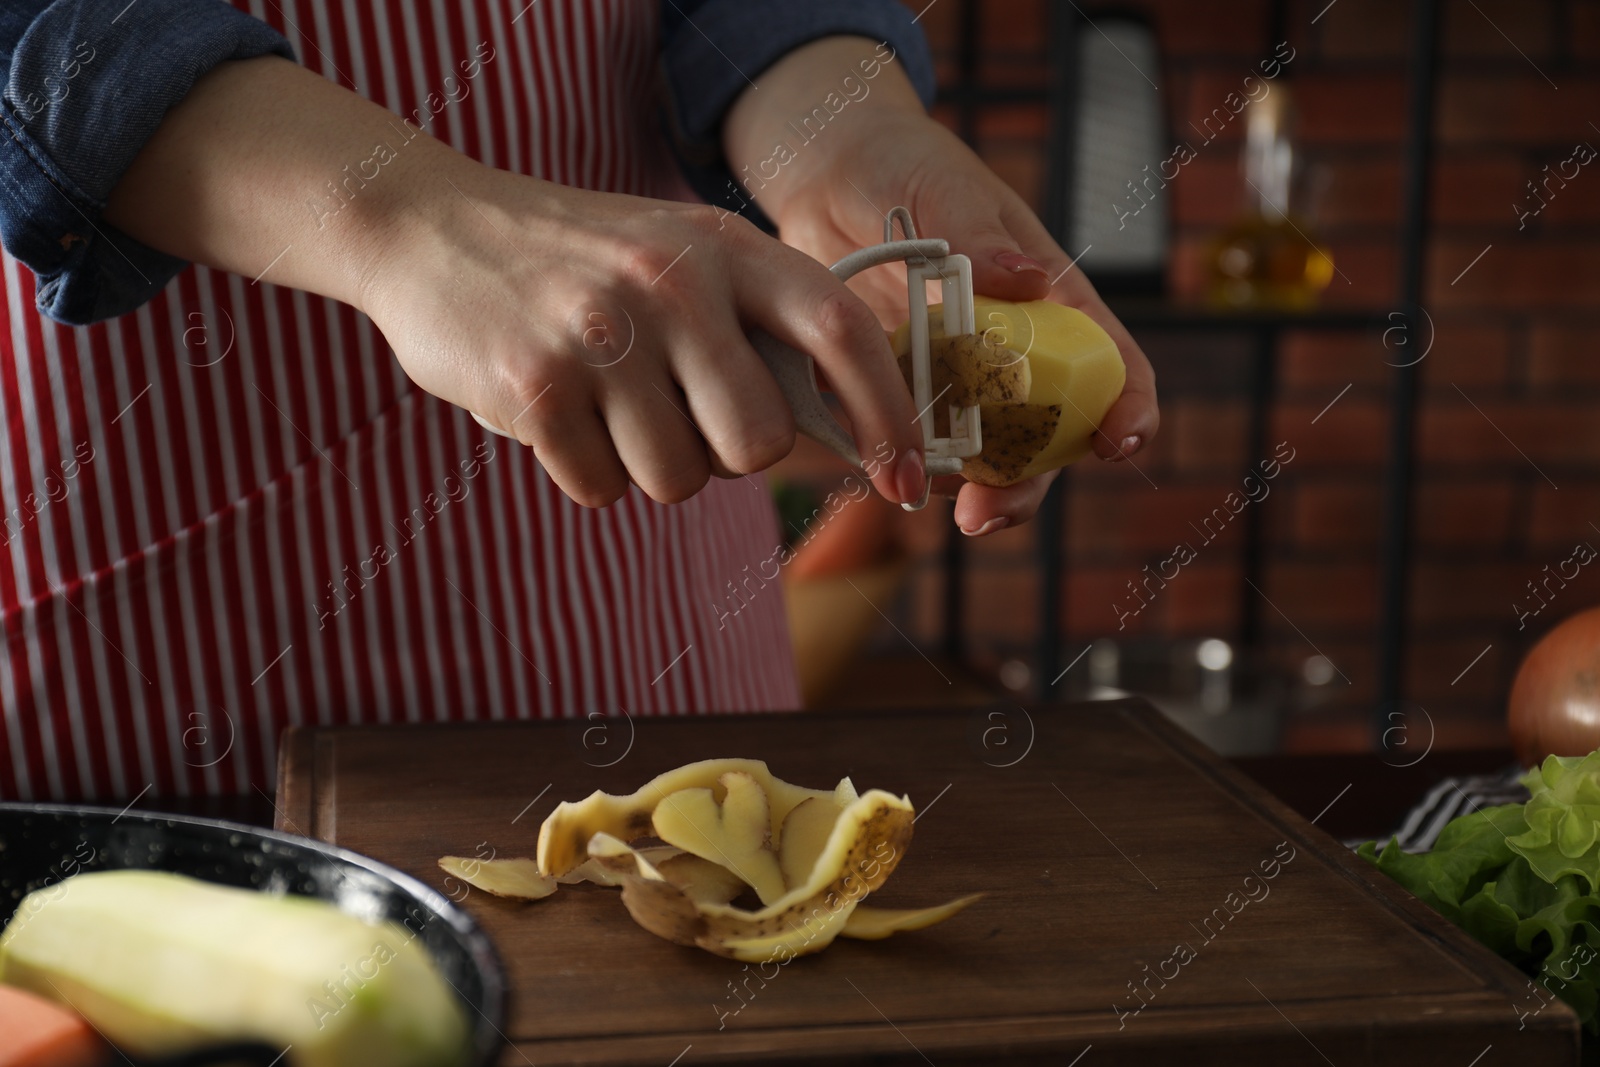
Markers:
(712, 50)
(87, 82)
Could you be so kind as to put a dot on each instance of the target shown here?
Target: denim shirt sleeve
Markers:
(86, 84)
(712, 50)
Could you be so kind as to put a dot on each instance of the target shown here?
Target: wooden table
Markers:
(1148, 904)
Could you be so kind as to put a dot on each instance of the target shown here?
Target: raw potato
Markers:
(1074, 372)
(964, 370)
(810, 856)
(1012, 437)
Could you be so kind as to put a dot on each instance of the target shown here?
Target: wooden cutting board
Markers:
(1146, 903)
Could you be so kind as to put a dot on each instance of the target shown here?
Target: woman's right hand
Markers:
(608, 332)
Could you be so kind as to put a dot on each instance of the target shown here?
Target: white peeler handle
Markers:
(796, 374)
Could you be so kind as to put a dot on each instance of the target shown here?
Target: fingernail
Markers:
(1016, 263)
(997, 523)
(910, 477)
(1131, 444)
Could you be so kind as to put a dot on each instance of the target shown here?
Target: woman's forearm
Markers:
(811, 104)
(266, 168)
(495, 289)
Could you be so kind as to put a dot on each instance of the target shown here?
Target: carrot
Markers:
(845, 535)
(39, 1033)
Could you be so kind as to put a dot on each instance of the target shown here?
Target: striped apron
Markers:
(230, 512)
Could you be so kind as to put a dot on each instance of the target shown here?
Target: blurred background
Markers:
(1366, 229)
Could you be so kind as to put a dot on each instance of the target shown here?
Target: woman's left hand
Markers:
(831, 198)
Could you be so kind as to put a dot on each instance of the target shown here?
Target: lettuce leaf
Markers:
(1470, 851)
(1563, 818)
(1522, 878)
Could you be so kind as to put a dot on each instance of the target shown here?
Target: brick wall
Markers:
(1509, 432)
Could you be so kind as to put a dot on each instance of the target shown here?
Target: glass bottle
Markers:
(1269, 259)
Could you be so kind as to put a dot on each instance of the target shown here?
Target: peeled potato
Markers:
(1073, 375)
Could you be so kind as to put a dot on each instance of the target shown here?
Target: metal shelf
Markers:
(1139, 313)
(1265, 328)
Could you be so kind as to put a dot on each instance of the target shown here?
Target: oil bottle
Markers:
(1269, 258)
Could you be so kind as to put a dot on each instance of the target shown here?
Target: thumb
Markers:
(999, 266)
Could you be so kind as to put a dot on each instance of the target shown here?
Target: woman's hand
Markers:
(609, 333)
(883, 150)
(606, 331)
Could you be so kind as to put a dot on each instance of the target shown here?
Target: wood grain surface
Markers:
(1147, 904)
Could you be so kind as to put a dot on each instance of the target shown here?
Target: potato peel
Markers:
(1012, 437)
(597, 873)
(519, 878)
(865, 846)
(564, 835)
(731, 827)
(705, 882)
(734, 832)
(875, 924)
(805, 834)
(516, 879)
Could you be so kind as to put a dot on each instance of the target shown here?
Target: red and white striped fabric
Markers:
(230, 512)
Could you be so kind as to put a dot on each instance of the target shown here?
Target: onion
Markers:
(1555, 700)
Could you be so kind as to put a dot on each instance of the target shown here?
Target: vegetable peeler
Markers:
(926, 259)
